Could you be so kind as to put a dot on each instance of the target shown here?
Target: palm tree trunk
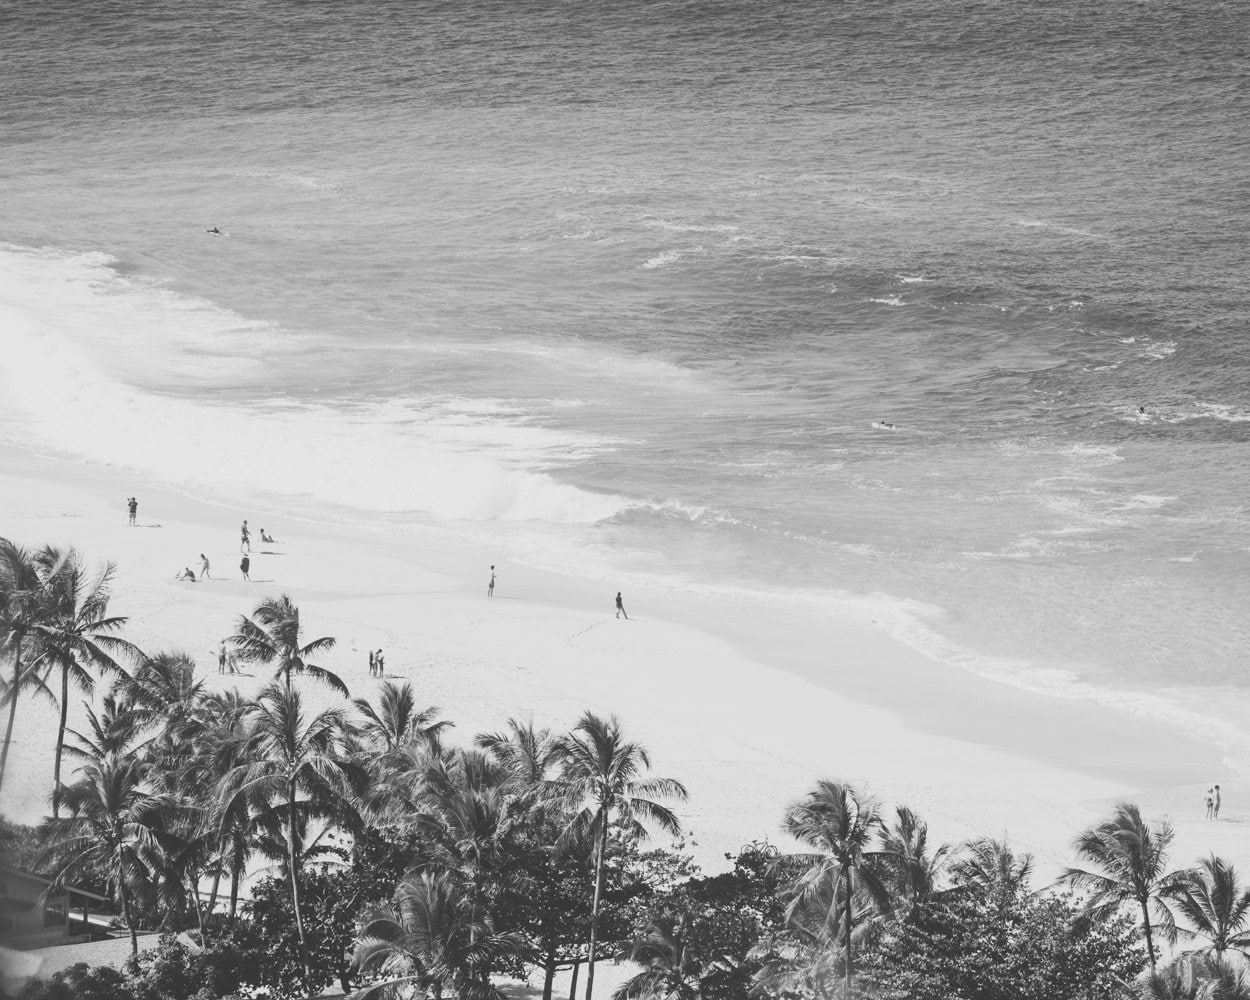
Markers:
(8, 732)
(236, 874)
(130, 921)
(299, 919)
(194, 879)
(594, 906)
(212, 895)
(849, 927)
(60, 742)
(1150, 943)
(577, 967)
(549, 965)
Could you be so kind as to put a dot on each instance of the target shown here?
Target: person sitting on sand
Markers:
(204, 567)
(186, 574)
(264, 537)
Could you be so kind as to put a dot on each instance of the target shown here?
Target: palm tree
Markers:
(20, 596)
(1132, 862)
(839, 823)
(669, 971)
(914, 872)
(434, 937)
(297, 763)
(1196, 977)
(114, 821)
(74, 633)
(990, 870)
(528, 755)
(1216, 904)
(272, 634)
(600, 784)
(395, 722)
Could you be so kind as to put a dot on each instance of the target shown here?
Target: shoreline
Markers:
(746, 705)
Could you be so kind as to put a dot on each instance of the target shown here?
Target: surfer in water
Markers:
(215, 231)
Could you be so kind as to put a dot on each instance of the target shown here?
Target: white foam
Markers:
(63, 388)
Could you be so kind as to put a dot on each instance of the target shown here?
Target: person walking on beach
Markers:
(1215, 805)
(245, 540)
(204, 567)
(132, 505)
(377, 662)
(490, 587)
(620, 607)
(245, 565)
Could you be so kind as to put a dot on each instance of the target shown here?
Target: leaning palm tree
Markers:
(297, 763)
(434, 938)
(601, 785)
(1216, 904)
(839, 824)
(21, 593)
(272, 635)
(113, 821)
(75, 636)
(1130, 862)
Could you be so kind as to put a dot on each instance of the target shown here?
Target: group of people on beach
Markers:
(1213, 802)
(245, 546)
(377, 666)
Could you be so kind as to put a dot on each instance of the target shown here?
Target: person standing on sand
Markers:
(373, 664)
(1209, 798)
(620, 607)
(221, 657)
(245, 540)
(377, 660)
(245, 565)
(204, 567)
(1215, 806)
(132, 505)
(490, 587)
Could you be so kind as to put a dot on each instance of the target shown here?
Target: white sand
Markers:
(745, 705)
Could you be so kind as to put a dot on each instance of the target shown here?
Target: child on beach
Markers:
(620, 608)
(132, 505)
(245, 565)
(204, 565)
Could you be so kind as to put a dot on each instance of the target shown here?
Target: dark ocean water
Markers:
(636, 286)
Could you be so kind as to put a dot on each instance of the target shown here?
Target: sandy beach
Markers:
(745, 705)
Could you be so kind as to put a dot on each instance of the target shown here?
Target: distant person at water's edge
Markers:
(132, 505)
(490, 587)
(620, 607)
(245, 538)
(244, 566)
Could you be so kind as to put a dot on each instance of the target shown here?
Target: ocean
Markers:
(926, 315)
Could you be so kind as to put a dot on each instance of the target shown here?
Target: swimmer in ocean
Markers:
(215, 231)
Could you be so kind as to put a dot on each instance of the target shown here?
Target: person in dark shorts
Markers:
(132, 505)
(620, 607)
(246, 565)
(245, 538)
